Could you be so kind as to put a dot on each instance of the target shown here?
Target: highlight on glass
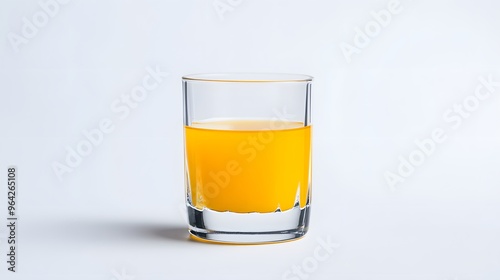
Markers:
(247, 144)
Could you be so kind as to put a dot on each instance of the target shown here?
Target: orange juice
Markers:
(245, 166)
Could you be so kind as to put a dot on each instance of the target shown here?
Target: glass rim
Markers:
(248, 77)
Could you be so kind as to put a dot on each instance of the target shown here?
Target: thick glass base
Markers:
(248, 228)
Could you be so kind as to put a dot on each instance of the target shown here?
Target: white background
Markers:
(119, 211)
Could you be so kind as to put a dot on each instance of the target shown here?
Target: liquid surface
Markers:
(248, 166)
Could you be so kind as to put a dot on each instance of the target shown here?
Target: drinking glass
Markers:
(247, 144)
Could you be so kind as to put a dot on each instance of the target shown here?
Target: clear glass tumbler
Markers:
(247, 140)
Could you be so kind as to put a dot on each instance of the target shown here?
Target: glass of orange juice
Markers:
(247, 143)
